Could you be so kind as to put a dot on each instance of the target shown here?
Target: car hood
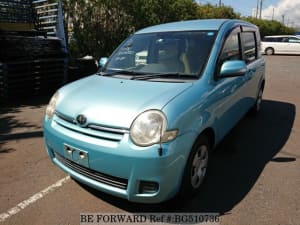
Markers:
(115, 102)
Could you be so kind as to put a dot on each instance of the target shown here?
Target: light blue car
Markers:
(143, 127)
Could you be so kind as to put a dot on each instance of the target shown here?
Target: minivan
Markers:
(280, 44)
(143, 127)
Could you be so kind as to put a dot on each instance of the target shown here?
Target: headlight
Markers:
(150, 128)
(52, 105)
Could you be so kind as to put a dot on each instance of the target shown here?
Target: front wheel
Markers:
(196, 167)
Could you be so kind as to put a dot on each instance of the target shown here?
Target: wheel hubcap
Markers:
(199, 166)
(269, 51)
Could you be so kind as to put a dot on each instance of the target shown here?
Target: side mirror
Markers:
(233, 68)
(102, 62)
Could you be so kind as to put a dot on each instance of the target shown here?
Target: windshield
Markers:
(178, 53)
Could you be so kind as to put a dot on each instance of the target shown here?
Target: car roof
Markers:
(191, 25)
(277, 36)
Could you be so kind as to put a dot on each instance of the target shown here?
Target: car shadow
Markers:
(235, 166)
(9, 110)
(9, 105)
(9, 120)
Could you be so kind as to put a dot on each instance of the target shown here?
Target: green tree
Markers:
(98, 26)
(270, 27)
(209, 11)
(151, 12)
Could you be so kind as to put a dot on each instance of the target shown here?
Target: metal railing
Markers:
(31, 63)
(47, 14)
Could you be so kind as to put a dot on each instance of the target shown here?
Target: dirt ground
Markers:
(254, 176)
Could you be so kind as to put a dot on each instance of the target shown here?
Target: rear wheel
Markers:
(196, 167)
(269, 51)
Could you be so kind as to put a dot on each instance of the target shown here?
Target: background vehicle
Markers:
(281, 44)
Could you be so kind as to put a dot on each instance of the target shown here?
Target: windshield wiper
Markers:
(121, 72)
(167, 75)
(146, 76)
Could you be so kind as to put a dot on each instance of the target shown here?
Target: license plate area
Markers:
(78, 156)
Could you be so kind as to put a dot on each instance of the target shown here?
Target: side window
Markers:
(269, 39)
(294, 40)
(285, 39)
(280, 39)
(231, 48)
(249, 46)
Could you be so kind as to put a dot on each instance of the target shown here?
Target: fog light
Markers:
(148, 187)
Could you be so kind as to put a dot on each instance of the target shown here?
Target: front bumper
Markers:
(119, 162)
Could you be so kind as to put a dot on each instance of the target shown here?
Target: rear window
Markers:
(294, 40)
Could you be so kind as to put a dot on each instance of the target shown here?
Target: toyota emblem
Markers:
(81, 119)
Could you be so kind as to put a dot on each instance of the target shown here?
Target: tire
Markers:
(269, 51)
(256, 108)
(196, 168)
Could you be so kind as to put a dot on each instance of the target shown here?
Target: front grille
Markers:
(64, 117)
(92, 130)
(92, 174)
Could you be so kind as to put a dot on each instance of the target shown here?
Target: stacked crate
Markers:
(31, 63)
(17, 15)
(2, 84)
